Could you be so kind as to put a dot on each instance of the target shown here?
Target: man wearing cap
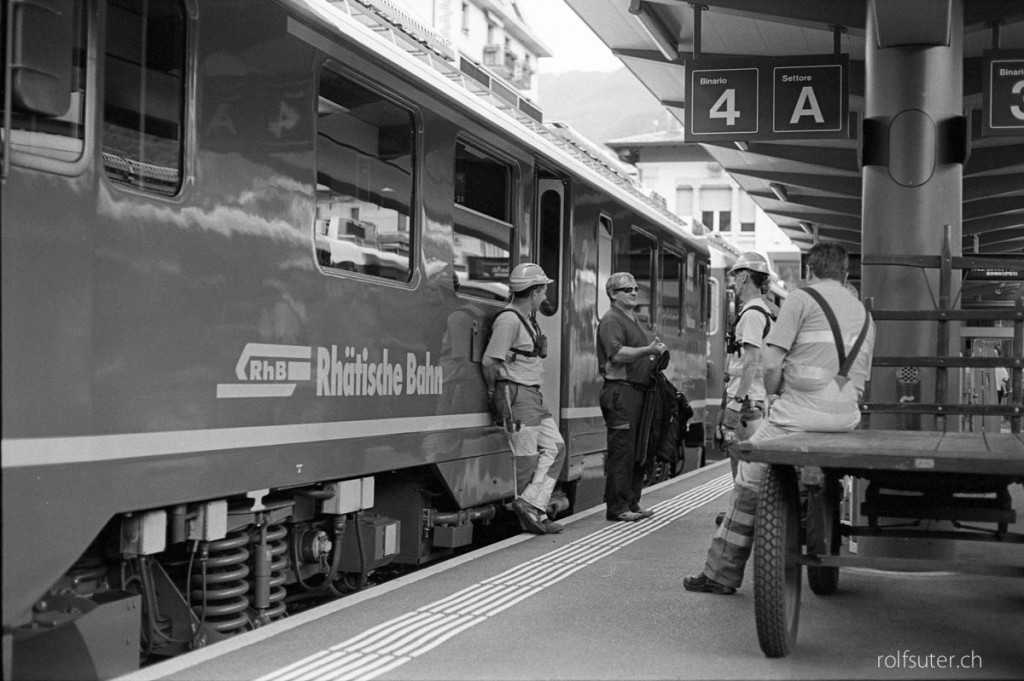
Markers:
(744, 391)
(625, 360)
(513, 368)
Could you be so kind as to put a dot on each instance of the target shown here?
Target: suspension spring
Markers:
(218, 593)
(270, 563)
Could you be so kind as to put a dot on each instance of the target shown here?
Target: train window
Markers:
(549, 242)
(364, 181)
(144, 94)
(709, 307)
(604, 263)
(673, 282)
(715, 296)
(47, 110)
(483, 230)
(640, 263)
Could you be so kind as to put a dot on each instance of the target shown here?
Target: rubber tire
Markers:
(824, 581)
(777, 572)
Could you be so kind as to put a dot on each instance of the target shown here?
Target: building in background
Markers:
(697, 188)
(490, 32)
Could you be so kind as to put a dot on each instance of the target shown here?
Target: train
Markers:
(250, 255)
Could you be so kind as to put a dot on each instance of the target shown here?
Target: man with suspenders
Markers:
(817, 358)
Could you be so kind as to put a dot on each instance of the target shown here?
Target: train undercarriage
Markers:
(171, 580)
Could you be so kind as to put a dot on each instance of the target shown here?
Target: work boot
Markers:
(551, 527)
(702, 584)
(528, 519)
(627, 517)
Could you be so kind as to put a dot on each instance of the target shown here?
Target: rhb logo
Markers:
(267, 370)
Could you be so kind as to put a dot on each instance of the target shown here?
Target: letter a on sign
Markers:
(807, 105)
(811, 98)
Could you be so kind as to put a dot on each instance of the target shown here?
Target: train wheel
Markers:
(823, 536)
(777, 573)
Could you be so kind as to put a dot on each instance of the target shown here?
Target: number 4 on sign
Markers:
(725, 107)
(807, 105)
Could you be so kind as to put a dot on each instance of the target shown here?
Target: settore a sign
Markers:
(767, 98)
(1003, 96)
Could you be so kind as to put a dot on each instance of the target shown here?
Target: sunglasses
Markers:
(627, 289)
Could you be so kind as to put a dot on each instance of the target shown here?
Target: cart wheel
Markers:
(776, 567)
(823, 535)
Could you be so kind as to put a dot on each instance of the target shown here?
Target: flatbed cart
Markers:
(913, 476)
(959, 477)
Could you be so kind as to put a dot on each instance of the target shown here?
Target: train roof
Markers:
(382, 28)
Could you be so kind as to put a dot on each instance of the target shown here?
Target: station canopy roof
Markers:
(813, 187)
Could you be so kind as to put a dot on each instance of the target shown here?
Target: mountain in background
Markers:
(601, 105)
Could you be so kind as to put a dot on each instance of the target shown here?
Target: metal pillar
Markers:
(913, 153)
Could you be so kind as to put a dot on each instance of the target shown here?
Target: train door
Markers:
(549, 229)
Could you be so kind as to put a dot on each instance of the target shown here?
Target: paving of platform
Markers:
(605, 601)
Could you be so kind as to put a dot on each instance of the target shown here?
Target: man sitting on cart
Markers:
(803, 363)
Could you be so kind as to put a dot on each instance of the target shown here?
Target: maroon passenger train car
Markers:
(250, 252)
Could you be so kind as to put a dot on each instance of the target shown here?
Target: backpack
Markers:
(734, 348)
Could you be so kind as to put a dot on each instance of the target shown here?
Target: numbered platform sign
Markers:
(723, 101)
(767, 98)
(1003, 93)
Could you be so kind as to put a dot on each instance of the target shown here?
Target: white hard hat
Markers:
(753, 261)
(525, 275)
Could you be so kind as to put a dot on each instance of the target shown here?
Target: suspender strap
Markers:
(845, 362)
(848, 364)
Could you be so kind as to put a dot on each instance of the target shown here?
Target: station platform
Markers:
(605, 600)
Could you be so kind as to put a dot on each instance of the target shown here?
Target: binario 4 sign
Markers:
(767, 99)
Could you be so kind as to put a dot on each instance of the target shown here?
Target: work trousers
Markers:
(621, 405)
(538, 449)
(751, 416)
(734, 539)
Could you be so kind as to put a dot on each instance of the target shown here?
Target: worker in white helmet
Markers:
(744, 403)
(513, 368)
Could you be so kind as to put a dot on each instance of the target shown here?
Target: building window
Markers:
(724, 221)
(719, 221)
(748, 212)
(483, 227)
(144, 94)
(465, 18)
(364, 192)
(716, 208)
(684, 201)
